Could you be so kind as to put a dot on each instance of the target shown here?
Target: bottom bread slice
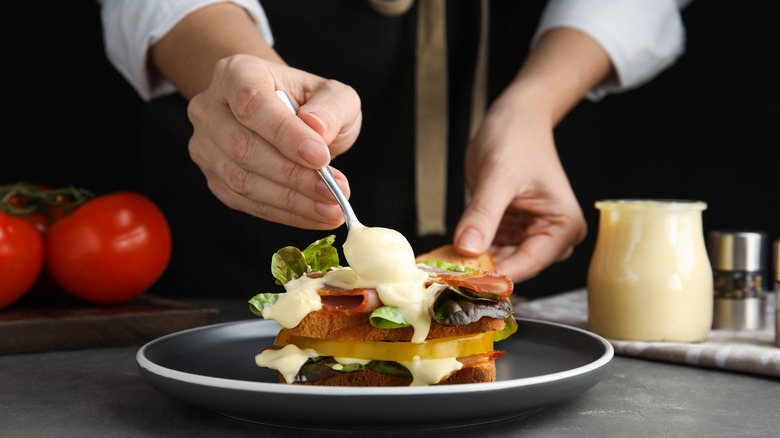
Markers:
(478, 373)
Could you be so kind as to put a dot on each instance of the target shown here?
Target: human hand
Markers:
(257, 156)
(522, 206)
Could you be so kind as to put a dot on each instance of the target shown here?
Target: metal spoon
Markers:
(327, 175)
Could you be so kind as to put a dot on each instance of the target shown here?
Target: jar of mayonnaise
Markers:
(650, 278)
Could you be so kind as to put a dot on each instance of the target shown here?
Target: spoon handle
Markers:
(326, 174)
(333, 186)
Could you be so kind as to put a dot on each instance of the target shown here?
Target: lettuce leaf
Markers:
(259, 301)
(290, 263)
(455, 309)
(387, 317)
(510, 327)
(447, 266)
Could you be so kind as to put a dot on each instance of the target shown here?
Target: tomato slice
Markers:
(457, 346)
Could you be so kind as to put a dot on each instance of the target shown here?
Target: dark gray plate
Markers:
(214, 367)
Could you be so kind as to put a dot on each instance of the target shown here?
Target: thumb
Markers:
(478, 224)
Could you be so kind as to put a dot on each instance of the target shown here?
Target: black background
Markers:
(704, 129)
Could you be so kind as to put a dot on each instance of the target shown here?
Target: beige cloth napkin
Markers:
(744, 351)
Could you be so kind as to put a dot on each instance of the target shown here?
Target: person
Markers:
(260, 159)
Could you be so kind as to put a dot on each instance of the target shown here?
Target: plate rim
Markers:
(341, 391)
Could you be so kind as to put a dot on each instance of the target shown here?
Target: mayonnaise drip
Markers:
(431, 371)
(384, 259)
(288, 360)
(301, 299)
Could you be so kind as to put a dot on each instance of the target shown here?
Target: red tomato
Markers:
(111, 249)
(21, 257)
(39, 204)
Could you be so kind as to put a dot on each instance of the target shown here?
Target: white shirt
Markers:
(641, 37)
(132, 27)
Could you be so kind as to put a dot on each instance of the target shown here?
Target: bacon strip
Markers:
(481, 282)
(349, 301)
(476, 359)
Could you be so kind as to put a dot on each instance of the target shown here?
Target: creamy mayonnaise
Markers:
(288, 360)
(300, 299)
(650, 278)
(431, 371)
(384, 259)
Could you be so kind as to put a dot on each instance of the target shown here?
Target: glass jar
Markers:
(650, 278)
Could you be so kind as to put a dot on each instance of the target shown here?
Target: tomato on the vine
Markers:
(40, 204)
(109, 250)
(21, 257)
(42, 220)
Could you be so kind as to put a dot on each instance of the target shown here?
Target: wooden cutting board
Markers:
(50, 322)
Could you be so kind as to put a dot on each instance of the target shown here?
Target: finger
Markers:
(253, 101)
(527, 260)
(277, 182)
(333, 110)
(478, 224)
(248, 167)
(279, 204)
(341, 180)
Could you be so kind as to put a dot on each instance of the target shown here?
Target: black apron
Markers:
(220, 251)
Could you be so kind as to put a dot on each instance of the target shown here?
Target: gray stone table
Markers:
(100, 393)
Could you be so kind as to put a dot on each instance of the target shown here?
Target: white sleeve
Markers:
(131, 27)
(641, 37)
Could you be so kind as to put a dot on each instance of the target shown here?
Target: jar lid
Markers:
(737, 250)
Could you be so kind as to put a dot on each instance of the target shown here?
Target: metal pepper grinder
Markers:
(776, 247)
(738, 264)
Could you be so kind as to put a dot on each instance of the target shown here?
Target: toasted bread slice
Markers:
(480, 373)
(322, 325)
(448, 253)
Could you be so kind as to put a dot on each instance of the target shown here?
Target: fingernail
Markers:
(314, 153)
(321, 188)
(471, 240)
(330, 211)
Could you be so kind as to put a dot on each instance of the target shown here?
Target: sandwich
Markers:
(387, 319)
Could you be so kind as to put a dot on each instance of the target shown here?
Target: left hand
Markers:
(522, 205)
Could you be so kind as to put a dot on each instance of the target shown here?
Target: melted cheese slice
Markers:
(456, 346)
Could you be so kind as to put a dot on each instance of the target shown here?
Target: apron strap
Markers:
(431, 104)
(432, 117)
